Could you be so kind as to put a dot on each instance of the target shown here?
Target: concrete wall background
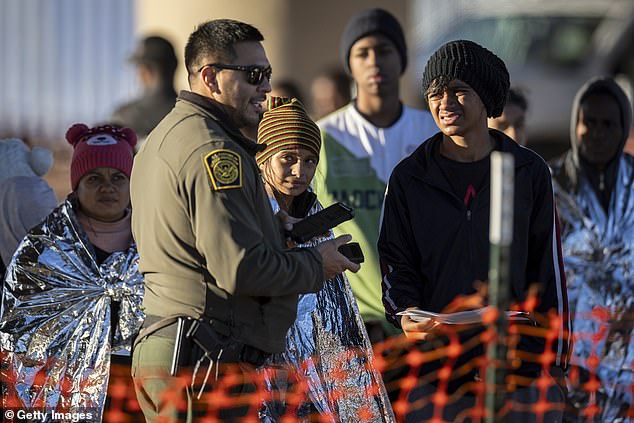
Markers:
(65, 60)
(301, 37)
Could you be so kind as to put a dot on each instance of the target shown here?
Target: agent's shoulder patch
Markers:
(224, 168)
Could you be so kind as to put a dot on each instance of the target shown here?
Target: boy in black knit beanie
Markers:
(434, 247)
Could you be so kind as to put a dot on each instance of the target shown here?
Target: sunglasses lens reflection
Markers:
(256, 75)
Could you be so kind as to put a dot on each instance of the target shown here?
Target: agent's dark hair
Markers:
(517, 97)
(215, 40)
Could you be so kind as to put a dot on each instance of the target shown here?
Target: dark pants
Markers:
(173, 399)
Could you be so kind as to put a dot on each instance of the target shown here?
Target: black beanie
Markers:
(480, 68)
(369, 22)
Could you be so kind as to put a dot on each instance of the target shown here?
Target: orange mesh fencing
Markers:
(394, 355)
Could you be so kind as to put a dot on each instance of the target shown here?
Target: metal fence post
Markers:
(500, 237)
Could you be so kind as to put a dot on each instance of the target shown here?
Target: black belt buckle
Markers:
(253, 356)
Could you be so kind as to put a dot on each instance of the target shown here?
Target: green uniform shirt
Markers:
(207, 238)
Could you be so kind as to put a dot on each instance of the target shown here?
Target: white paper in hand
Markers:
(461, 317)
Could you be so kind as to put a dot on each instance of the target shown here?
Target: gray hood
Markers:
(597, 241)
(602, 85)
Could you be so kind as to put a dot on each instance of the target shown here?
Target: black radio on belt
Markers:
(203, 334)
(182, 345)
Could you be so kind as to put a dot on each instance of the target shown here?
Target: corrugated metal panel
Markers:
(62, 61)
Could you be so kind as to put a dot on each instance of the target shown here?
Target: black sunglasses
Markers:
(255, 73)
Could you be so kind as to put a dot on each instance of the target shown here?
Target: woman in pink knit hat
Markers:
(72, 292)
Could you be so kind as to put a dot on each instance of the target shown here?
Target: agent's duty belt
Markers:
(211, 336)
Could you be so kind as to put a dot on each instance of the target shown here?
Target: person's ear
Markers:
(209, 76)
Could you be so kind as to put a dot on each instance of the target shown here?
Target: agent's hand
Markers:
(419, 330)
(333, 261)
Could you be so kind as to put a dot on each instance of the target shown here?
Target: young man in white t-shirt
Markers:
(363, 142)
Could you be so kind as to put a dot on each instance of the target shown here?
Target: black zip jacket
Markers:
(432, 247)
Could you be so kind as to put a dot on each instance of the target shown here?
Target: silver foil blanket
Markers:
(57, 328)
(598, 251)
(329, 352)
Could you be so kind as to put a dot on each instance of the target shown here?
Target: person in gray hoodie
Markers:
(594, 190)
(25, 198)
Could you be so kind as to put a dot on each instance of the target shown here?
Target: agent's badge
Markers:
(224, 168)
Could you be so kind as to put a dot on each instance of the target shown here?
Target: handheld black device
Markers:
(352, 251)
(320, 222)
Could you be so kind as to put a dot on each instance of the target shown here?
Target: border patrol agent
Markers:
(210, 247)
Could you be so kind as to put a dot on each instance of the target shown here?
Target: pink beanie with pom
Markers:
(101, 146)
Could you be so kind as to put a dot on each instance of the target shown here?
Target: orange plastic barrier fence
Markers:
(399, 359)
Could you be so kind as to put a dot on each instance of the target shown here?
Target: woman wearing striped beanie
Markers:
(327, 348)
(290, 159)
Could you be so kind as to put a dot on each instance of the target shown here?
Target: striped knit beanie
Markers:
(286, 125)
(101, 146)
(480, 68)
